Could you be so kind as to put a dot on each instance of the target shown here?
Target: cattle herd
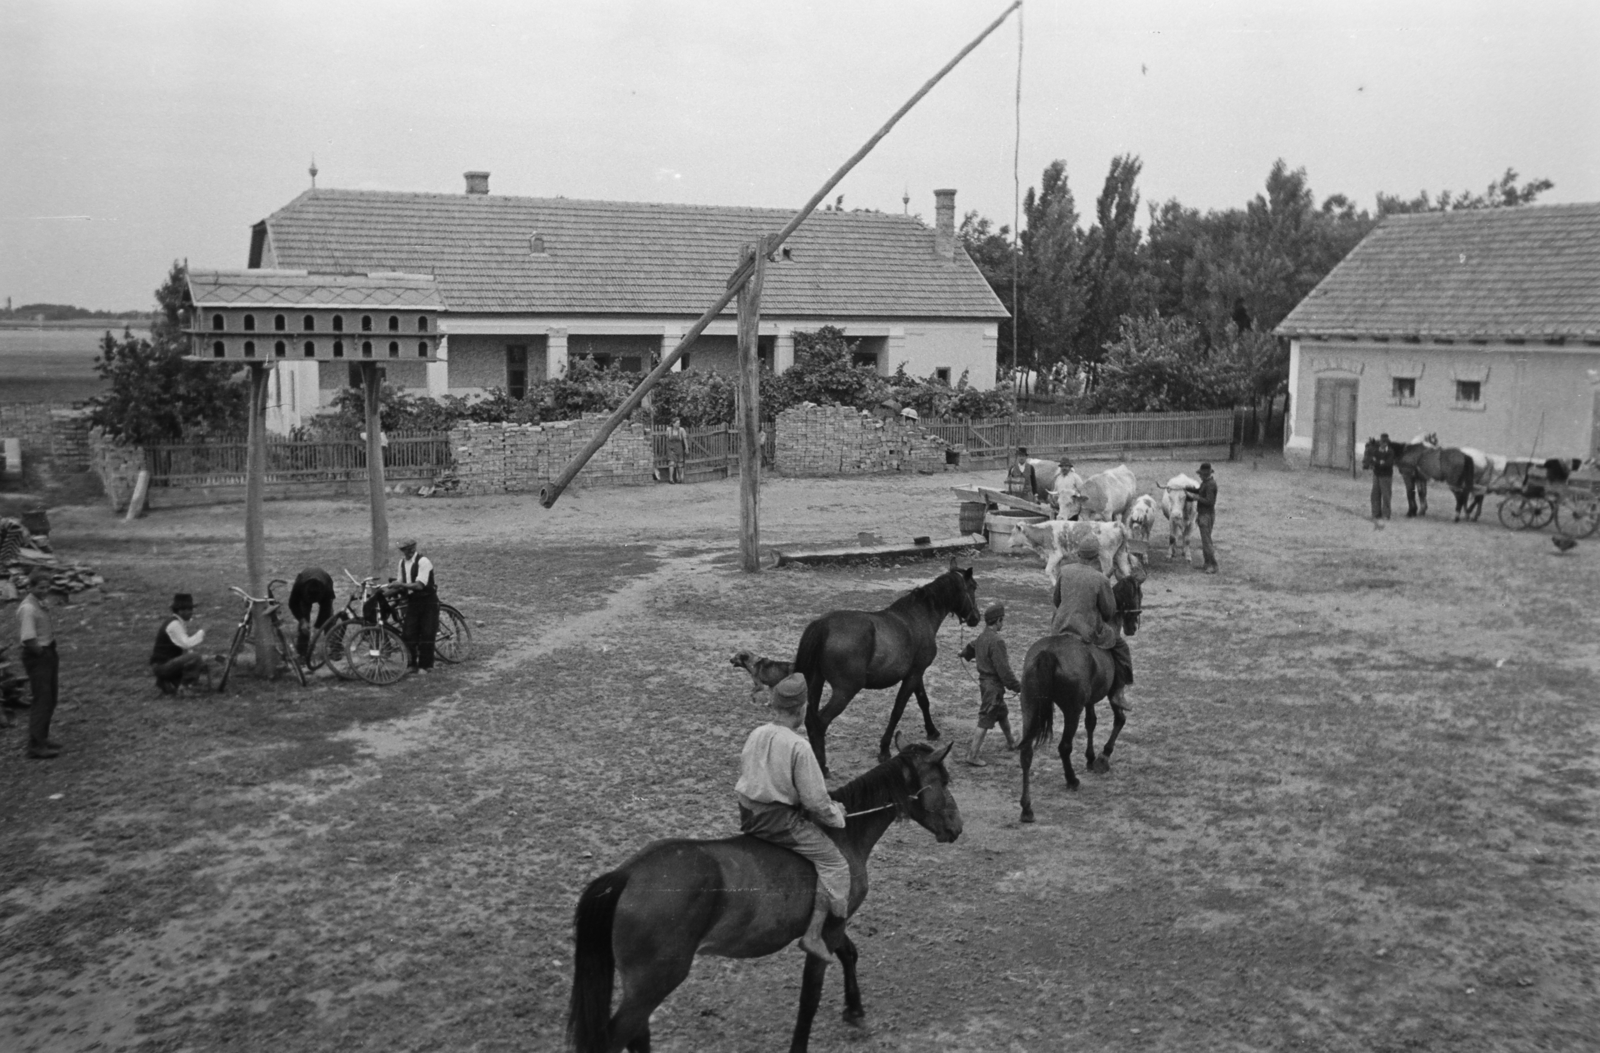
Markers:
(1109, 506)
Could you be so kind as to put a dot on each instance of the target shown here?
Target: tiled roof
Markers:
(606, 257)
(1531, 272)
(277, 288)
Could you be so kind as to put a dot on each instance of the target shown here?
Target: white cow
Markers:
(1142, 520)
(1109, 495)
(1057, 539)
(1180, 509)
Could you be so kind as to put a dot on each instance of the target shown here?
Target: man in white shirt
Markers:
(782, 798)
(416, 587)
(174, 659)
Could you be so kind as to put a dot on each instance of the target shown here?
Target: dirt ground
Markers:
(1354, 808)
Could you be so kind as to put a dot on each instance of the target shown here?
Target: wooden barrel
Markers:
(972, 516)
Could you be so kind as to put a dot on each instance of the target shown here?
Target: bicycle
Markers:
(282, 642)
(355, 646)
(452, 642)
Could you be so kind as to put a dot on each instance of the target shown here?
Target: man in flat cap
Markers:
(988, 651)
(174, 659)
(783, 798)
(1086, 608)
(415, 585)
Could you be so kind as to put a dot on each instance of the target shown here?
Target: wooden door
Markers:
(1333, 429)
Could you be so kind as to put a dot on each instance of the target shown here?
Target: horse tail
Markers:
(1038, 703)
(589, 1014)
(808, 659)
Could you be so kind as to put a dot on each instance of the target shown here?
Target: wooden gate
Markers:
(1333, 429)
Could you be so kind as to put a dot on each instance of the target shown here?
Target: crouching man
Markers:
(174, 660)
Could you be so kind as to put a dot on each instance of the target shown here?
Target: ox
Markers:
(1057, 539)
(1109, 494)
(1141, 521)
(1180, 509)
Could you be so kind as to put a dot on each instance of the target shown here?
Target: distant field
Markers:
(50, 365)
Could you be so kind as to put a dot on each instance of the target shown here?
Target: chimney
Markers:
(478, 183)
(944, 224)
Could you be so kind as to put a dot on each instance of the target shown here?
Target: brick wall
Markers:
(117, 465)
(522, 458)
(55, 438)
(838, 440)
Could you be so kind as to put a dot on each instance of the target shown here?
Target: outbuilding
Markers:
(1482, 327)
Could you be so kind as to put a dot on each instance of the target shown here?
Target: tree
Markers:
(1109, 270)
(991, 250)
(1161, 365)
(1501, 193)
(1051, 246)
(157, 395)
(823, 373)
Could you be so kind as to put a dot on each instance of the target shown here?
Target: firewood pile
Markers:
(21, 552)
(839, 440)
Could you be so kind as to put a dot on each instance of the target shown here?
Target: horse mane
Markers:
(869, 790)
(933, 590)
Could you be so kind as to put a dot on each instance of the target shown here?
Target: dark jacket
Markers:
(1383, 460)
(1206, 496)
(989, 652)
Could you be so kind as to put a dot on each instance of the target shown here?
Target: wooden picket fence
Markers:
(992, 441)
(407, 456)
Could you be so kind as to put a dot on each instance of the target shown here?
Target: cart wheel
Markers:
(1579, 515)
(377, 655)
(453, 643)
(1544, 511)
(1515, 513)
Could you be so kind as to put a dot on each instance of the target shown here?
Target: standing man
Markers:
(677, 450)
(422, 605)
(994, 677)
(174, 658)
(1382, 477)
(39, 662)
(1205, 499)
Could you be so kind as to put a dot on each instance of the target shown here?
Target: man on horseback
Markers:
(1086, 608)
(783, 797)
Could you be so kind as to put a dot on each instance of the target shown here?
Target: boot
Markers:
(811, 942)
(1119, 700)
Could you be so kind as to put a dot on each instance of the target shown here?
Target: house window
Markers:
(218, 350)
(394, 323)
(249, 323)
(366, 323)
(517, 370)
(278, 323)
(310, 325)
(338, 349)
(1403, 387)
(338, 323)
(311, 349)
(216, 322)
(422, 323)
(630, 364)
(249, 349)
(1469, 392)
(942, 375)
(864, 360)
(394, 349)
(683, 361)
(280, 349)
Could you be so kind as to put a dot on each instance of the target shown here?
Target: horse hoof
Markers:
(856, 1017)
(933, 734)
(1027, 815)
(1072, 786)
(1100, 766)
(883, 755)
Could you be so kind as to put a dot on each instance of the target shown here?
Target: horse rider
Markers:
(783, 798)
(1086, 608)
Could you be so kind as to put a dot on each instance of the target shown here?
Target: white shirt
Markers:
(177, 634)
(777, 766)
(418, 569)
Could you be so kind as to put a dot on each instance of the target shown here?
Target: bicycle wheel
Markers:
(288, 653)
(453, 642)
(377, 655)
(328, 648)
(1578, 514)
(239, 636)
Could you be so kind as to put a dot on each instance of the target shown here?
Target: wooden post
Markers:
(376, 499)
(255, 540)
(750, 406)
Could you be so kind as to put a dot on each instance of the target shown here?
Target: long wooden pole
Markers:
(549, 494)
(376, 499)
(750, 407)
(255, 539)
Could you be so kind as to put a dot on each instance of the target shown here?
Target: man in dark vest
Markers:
(422, 604)
(174, 659)
(1382, 477)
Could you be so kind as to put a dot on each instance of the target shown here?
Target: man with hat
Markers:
(783, 797)
(174, 659)
(1086, 608)
(988, 651)
(422, 604)
(1205, 499)
(39, 661)
(1382, 478)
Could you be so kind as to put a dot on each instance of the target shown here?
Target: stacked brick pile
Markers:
(69, 439)
(838, 440)
(522, 458)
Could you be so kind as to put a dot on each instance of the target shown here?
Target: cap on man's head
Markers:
(994, 614)
(1205, 469)
(1384, 437)
(40, 576)
(790, 693)
(1065, 462)
(407, 542)
(182, 601)
(1089, 547)
(1022, 451)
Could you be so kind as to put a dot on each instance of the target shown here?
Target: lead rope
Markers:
(881, 807)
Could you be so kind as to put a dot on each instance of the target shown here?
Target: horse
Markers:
(1420, 461)
(1062, 670)
(853, 650)
(737, 897)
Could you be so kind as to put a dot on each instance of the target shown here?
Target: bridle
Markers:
(881, 807)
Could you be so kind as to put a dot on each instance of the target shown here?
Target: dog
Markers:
(765, 673)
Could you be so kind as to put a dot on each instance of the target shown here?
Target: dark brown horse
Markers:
(1062, 670)
(1418, 462)
(738, 897)
(855, 650)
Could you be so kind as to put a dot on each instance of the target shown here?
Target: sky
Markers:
(133, 134)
